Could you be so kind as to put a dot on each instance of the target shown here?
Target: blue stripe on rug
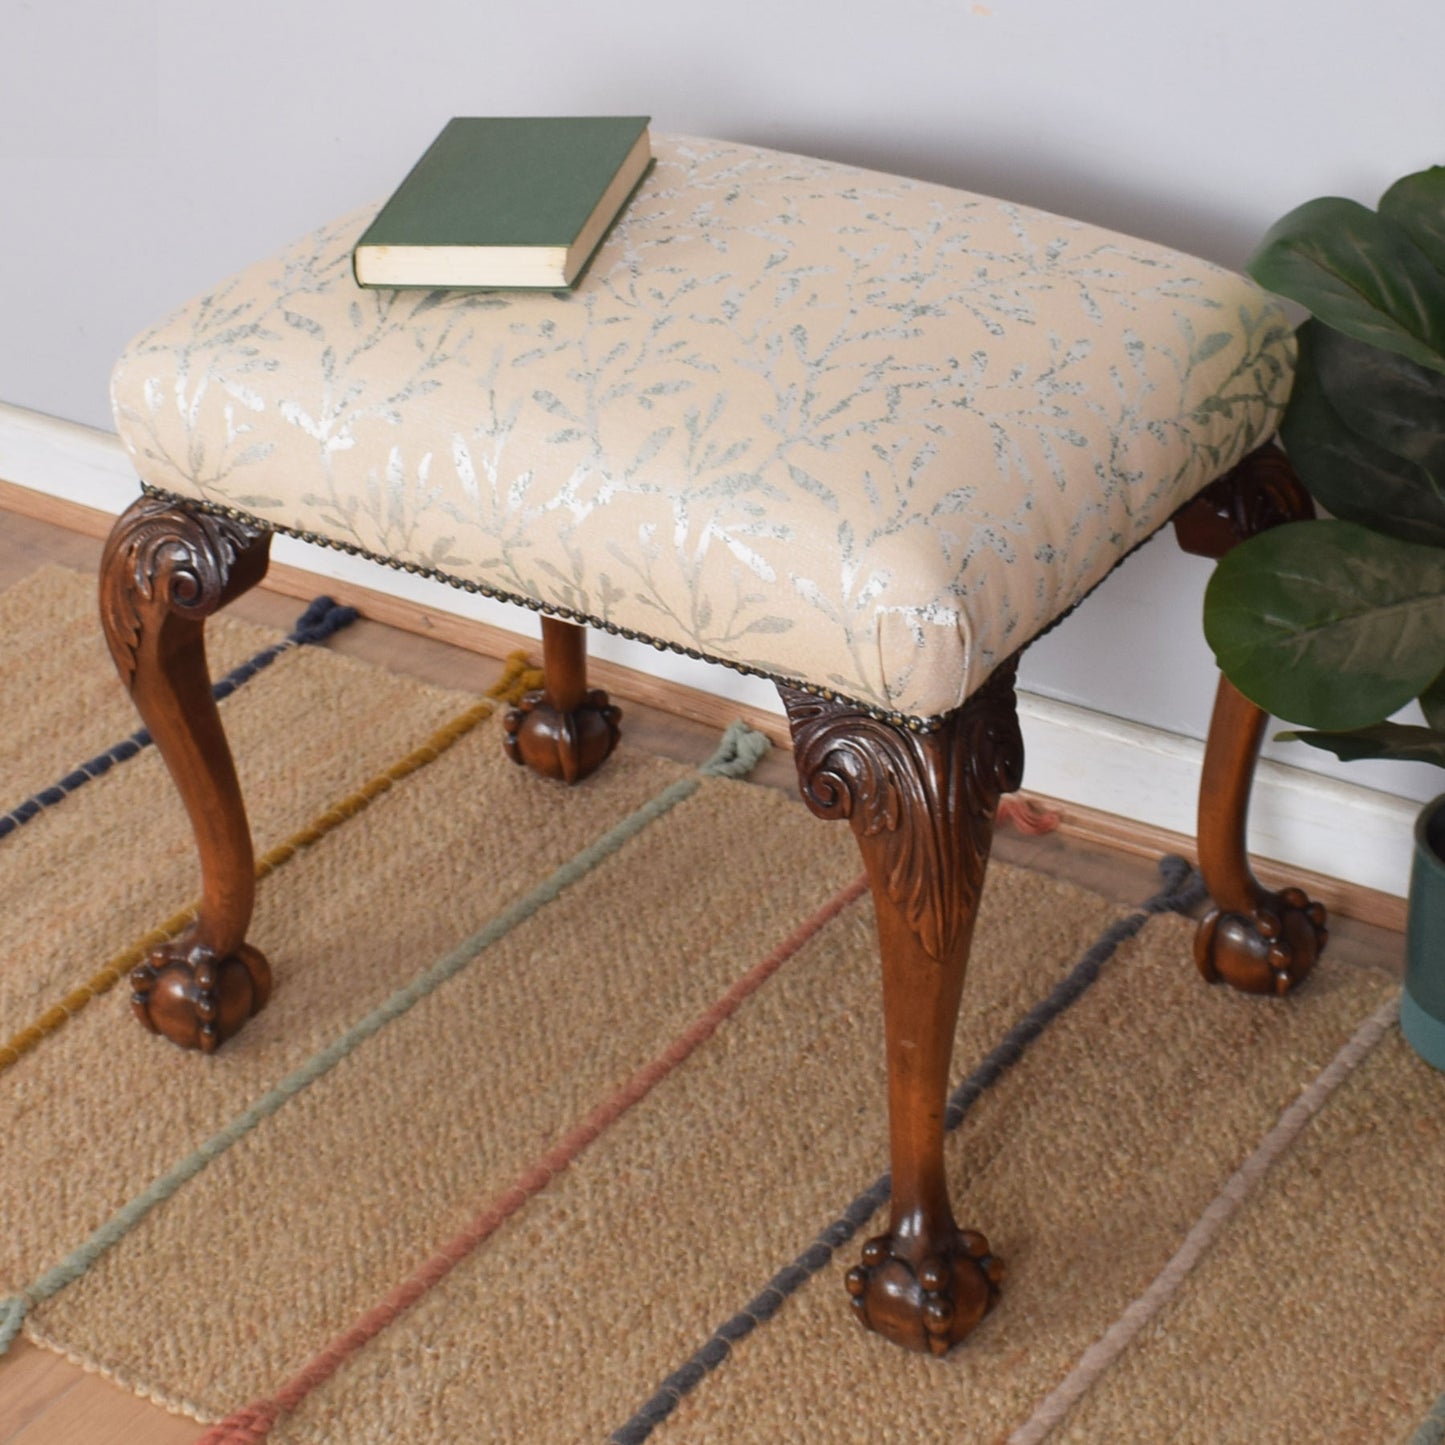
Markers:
(1183, 888)
(320, 620)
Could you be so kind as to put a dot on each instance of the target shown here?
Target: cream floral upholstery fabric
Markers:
(813, 421)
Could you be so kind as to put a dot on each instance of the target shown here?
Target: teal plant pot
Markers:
(1422, 1009)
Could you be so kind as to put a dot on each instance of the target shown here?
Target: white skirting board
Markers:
(1091, 759)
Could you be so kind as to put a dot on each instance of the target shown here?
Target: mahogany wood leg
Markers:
(921, 806)
(567, 730)
(165, 569)
(1257, 940)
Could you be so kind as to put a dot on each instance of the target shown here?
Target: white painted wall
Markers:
(149, 147)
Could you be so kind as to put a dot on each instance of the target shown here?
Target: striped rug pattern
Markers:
(566, 1116)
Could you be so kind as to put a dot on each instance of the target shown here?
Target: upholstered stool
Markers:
(861, 435)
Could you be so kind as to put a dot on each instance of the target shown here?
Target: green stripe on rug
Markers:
(736, 755)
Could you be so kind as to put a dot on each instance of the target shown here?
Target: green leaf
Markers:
(1359, 273)
(1432, 703)
(1339, 448)
(1383, 396)
(1416, 204)
(1394, 742)
(1327, 623)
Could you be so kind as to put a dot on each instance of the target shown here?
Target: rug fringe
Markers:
(12, 1319)
(322, 619)
(519, 677)
(740, 751)
(1030, 817)
(245, 1427)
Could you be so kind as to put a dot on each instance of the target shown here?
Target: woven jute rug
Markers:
(566, 1116)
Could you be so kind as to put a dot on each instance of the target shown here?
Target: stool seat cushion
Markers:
(826, 424)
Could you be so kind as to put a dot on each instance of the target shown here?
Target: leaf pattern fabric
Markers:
(826, 424)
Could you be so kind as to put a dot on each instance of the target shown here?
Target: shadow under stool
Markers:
(861, 435)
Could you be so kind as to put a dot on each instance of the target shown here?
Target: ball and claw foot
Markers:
(930, 1308)
(1268, 951)
(566, 746)
(196, 999)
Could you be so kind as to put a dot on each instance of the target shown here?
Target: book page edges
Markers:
(610, 206)
(462, 266)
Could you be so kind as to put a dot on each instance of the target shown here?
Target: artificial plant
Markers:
(1336, 624)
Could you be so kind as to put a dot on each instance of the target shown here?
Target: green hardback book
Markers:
(506, 202)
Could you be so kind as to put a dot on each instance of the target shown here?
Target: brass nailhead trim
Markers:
(914, 724)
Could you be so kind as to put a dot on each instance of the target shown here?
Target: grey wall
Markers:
(149, 147)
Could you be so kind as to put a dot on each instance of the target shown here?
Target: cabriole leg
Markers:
(567, 730)
(921, 806)
(1257, 940)
(165, 569)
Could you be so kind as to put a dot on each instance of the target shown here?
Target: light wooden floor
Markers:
(45, 1400)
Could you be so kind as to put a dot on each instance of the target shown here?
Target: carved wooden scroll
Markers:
(924, 801)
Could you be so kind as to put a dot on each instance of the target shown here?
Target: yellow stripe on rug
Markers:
(517, 678)
(137, 860)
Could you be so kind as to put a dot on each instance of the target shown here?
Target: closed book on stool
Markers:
(506, 202)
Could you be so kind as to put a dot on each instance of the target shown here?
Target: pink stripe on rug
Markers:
(253, 1423)
(1291, 1124)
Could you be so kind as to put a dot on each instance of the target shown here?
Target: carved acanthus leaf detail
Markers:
(1261, 492)
(172, 558)
(921, 803)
